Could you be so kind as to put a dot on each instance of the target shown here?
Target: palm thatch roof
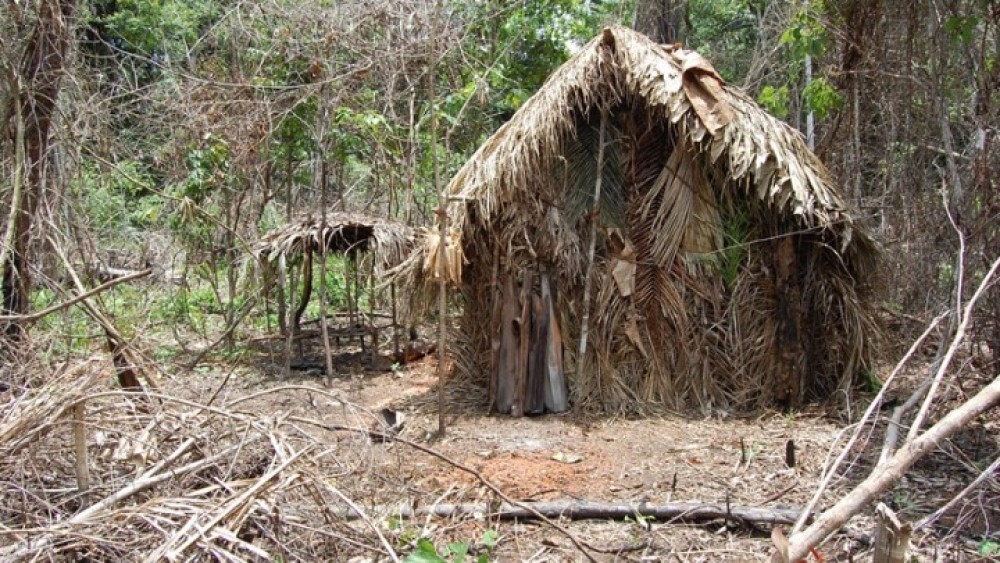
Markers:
(714, 222)
(341, 232)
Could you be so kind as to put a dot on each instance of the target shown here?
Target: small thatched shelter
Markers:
(343, 233)
(728, 272)
(297, 244)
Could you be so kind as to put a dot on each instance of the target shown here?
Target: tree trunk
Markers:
(41, 69)
(663, 21)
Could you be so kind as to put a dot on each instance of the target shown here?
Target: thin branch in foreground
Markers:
(872, 408)
(885, 475)
(33, 317)
(984, 475)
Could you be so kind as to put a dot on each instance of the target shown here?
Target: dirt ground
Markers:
(656, 460)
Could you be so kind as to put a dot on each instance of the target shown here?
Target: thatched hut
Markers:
(728, 272)
(368, 243)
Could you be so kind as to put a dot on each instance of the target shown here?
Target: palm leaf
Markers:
(581, 174)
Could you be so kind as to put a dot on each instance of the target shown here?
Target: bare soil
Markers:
(717, 459)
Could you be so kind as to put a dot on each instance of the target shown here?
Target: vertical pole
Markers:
(80, 445)
(442, 234)
(594, 212)
(323, 325)
(810, 119)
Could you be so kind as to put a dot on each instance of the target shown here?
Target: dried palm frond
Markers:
(581, 174)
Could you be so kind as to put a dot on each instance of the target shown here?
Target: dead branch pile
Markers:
(170, 478)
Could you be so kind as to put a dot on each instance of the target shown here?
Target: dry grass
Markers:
(272, 473)
(174, 479)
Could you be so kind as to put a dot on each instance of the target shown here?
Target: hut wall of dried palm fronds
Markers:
(729, 272)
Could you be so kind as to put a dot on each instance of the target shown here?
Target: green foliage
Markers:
(534, 37)
(736, 232)
(775, 100)
(871, 382)
(455, 552)
(69, 328)
(116, 202)
(157, 28)
(724, 31)
(207, 164)
(961, 28)
(294, 135)
(805, 35)
(989, 548)
(820, 97)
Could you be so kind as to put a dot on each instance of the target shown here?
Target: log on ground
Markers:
(589, 510)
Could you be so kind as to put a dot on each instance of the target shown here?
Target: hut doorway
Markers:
(528, 351)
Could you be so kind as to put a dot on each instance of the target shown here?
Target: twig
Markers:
(367, 520)
(872, 407)
(986, 474)
(170, 553)
(34, 544)
(896, 420)
(946, 361)
(247, 308)
(95, 313)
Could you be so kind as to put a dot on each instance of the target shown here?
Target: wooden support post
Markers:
(506, 370)
(524, 339)
(80, 445)
(892, 537)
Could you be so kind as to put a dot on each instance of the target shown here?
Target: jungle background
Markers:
(169, 135)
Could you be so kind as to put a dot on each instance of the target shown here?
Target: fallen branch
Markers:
(829, 474)
(590, 510)
(990, 471)
(885, 475)
(30, 318)
(117, 343)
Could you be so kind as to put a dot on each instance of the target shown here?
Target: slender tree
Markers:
(29, 113)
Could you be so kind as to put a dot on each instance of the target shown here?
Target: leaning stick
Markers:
(86, 295)
(585, 321)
